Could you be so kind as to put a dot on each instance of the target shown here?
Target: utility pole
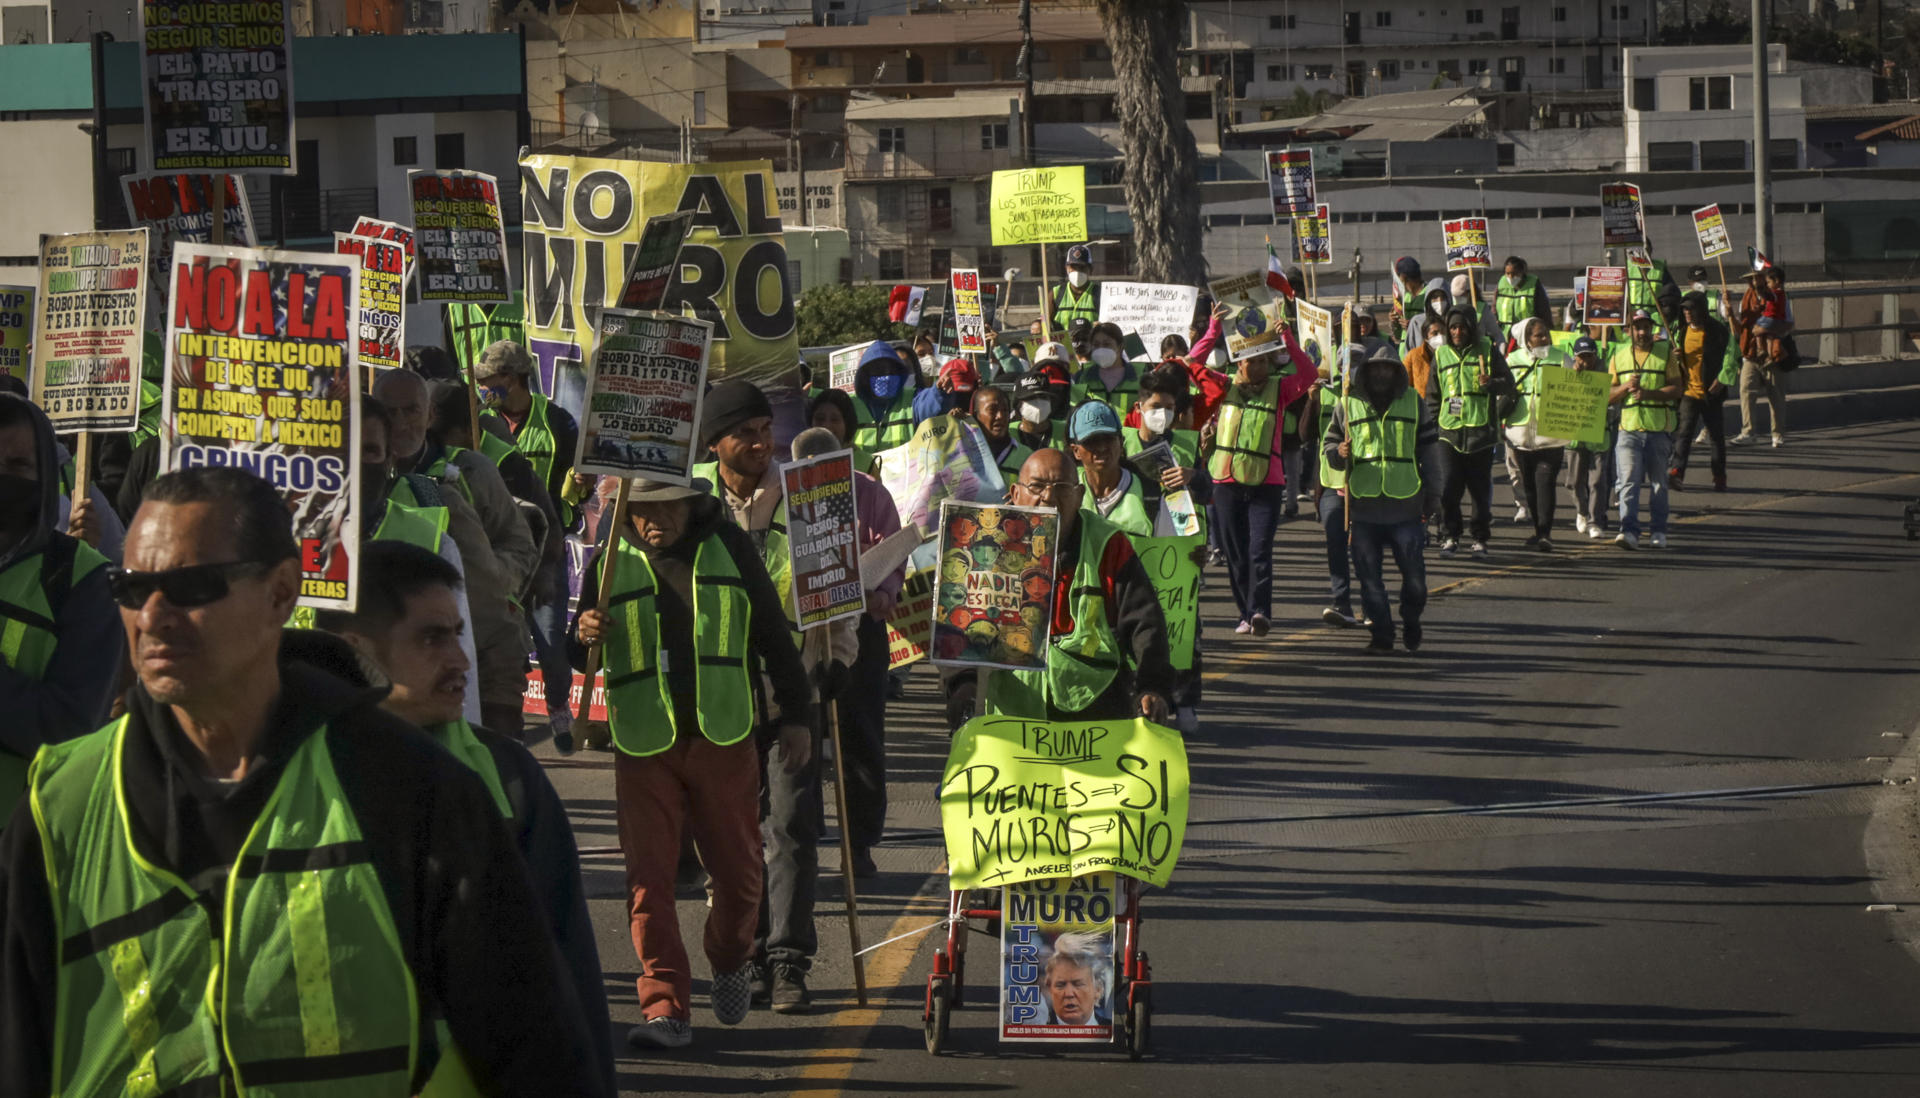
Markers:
(799, 160)
(1026, 78)
(103, 182)
(1762, 162)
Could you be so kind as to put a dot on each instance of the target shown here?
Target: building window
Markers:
(993, 135)
(450, 150)
(1319, 72)
(940, 209)
(942, 262)
(822, 58)
(1559, 14)
(969, 55)
(991, 263)
(1723, 156)
(1450, 68)
(1383, 19)
(1710, 93)
(1783, 154)
(1643, 97)
(1281, 22)
(1670, 156)
(1557, 65)
(1503, 154)
(1096, 51)
(1619, 11)
(892, 203)
(893, 263)
(1389, 70)
(1476, 15)
(1277, 73)
(1041, 55)
(893, 139)
(406, 150)
(1476, 66)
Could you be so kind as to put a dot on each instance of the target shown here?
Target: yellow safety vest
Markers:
(1463, 401)
(1082, 664)
(1639, 413)
(1243, 433)
(1382, 461)
(29, 620)
(1514, 302)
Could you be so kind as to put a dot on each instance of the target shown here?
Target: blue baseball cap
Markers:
(1092, 419)
(1585, 346)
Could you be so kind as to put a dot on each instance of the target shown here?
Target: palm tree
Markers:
(1162, 164)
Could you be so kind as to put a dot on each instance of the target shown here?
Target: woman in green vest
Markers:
(1537, 456)
(1519, 295)
(1111, 378)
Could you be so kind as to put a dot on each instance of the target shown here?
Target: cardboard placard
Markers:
(89, 324)
(655, 260)
(1252, 323)
(969, 316)
(460, 239)
(1468, 247)
(178, 208)
(1572, 404)
(1176, 579)
(1711, 230)
(381, 317)
(391, 232)
(1153, 310)
(1039, 206)
(16, 329)
(1313, 237)
(1313, 328)
(1622, 221)
(993, 605)
(218, 83)
(823, 539)
(910, 626)
(843, 365)
(1290, 182)
(1606, 296)
(1057, 960)
(644, 391)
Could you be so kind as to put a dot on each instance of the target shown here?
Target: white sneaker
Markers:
(1627, 541)
(1595, 533)
(1520, 512)
(1701, 437)
(1741, 439)
(1659, 541)
(661, 1033)
(1779, 441)
(1579, 524)
(1478, 549)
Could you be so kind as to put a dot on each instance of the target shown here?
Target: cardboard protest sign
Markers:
(947, 458)
(1057, 959)
(262, 369)
(1153, 310)
(1313, 328)
(644, 391)
(1711, 229)
(654, 260)
(1252, 324)
(823, 539)
(459, 237)
(1290, 182)
(1573, 404)
(1606, 295)
(1025, 800)
(1313, 237)
(1039, 206)
(16, 329)
(177, 207)
(910, 626)
(392, 232)
(583, 217)
(218, 87)
(89, 322)
(1621, 218)
(1467, 245)
(993, 604)
(1176, 579)
(381, 311)
(1151, 463)
(843, 365)
(969, 317)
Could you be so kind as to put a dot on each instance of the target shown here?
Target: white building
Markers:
(1691, 109)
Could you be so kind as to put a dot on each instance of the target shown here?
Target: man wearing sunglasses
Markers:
(257, 850)
(58, 648)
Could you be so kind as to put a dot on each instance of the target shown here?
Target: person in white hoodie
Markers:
(1536, 457)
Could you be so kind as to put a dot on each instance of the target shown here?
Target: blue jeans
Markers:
(1371, 540)
(1642, 457)
(1247, 515)
(547, 621)
(1333, 512)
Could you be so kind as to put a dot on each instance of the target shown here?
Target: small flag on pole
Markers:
(1276, 274)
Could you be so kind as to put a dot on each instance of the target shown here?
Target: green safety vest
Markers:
(870, 435)
(1070, 305)
(1526, 364)
(1513, 303)
(477, 327)
(299, 988)
(33, 591)
(1082, 664)
(460, 741)
(1243, 433)
(639, 709)
(1185, 445)
(1017, 455)
(1382, 461)
(1644, 413)
(1563, 341)
(1088, 386)
(1459, 381)
(535, 441)
(414, 513)
(772, 542)
(1133, 514)
(149, 422)
(1329, 476)
(1643, 283)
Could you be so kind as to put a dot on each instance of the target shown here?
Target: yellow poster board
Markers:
(1039, 206)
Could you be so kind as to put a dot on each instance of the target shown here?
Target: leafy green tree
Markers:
(834, 316)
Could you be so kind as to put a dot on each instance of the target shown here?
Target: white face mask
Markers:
(1699, 287)
(1077, 279)
(1104, 357)
(1034, 412)
(1437, 342)
(1157, 420)
(927, 362)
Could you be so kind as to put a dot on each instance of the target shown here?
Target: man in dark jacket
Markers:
(1700, 343)
(1468, 394)
(367, 870)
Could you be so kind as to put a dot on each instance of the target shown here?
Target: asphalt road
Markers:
(1349, 918)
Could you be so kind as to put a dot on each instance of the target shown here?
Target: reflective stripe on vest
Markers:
(1526, 365)
(1070, 305)
(1082, 664)
(1511, 303)
(870, 435)
(1382, 461)
(29, 633)
(1459, 381)
(1243, 434)
(1644, 413)
(1643, 283)
(300, 988)
(772, 542)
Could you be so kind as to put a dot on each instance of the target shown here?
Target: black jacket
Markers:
(473, 932)
(1500, 388)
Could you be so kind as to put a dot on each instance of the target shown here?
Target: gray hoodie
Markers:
(1433, 286)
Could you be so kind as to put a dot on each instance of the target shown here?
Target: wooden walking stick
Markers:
(1346, 384)
(607, 553)
(846, 855)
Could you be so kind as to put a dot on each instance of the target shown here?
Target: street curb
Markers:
(1891, 846)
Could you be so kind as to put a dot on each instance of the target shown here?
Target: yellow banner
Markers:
(1039, 206)
(582, 224)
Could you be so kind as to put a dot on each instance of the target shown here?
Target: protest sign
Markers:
(1057, 959)
(262, 374)
(1252, 323)
(16, 329)
(969, 317)
(459, 237)
(1151, 463)
(643, 397)
(218, 87)
(1176, 579)
(1024, 800)
(583, 219)
(1313, 327)
(991, 608)
(1621, 220)
(89, 321)
(823, 539)
(947, 458)
(654, 260)
(1039, 206)
(1154, 310)
(1313, 237)
(1711, 229)
(1573, 404)
(392, 232)
(381, 315)
(843, 365)
(178, 206)
(1290, 182)
(1467, 245)
(910, 626)
(1606, 295)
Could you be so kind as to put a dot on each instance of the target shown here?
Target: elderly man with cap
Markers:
(1131, 502)
(1078, 298)
(1647, 384)
(693, 622)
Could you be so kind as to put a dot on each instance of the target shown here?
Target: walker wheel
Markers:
(940, 1014)
(1140, 1025)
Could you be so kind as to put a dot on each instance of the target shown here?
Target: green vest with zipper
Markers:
(1243, 433)
(1525, 365)
(640, 711)
(535, 441)
(1082, 664)
(1135, 513)
(870, 435)
(1382, 461)
(1638, 413)
(1070, 305)
(1088, 386)
(1460, 384)
(33, 593)
(1514, 302)
(299, 990)
(1644, 281)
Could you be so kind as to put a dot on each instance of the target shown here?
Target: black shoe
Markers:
(760, 984)
(790, 994)
(863, 867)
(1413, 634)
(1293, 510)
(895, 688)
(1375, 647)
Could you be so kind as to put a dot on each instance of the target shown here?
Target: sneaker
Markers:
(1742, 439)
(790, 994)
(1186, 720)
(561, 722)
(1673, 480)
(1448, 546)
(1779, 441)
(1478, 549)
(1658, 541)
(1579, 524)
(1720, 482)
(1544, 545)
(1216, 559)
(732, 995)
(760, 984)
(1243, 629)
(1627, 541)
(1333, 615)
(1596, 532)
(663, 1032)
(1413, 634)
(1260, 624)
(1701, 437)
(1375, 647)
(1533, 541)
(1520, 513)
(1293, 509)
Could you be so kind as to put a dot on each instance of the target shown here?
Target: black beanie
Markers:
(728, 405)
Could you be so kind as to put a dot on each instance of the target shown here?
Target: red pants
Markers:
(714, 791)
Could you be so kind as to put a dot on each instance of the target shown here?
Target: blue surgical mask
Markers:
(887, 386)
(493, 394)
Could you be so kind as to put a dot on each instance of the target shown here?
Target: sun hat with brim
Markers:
(642, 490)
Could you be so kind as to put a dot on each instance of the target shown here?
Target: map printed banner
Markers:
(218, 82)
(89, 325)
(459, 236)
(643, 397)
(16, 329)
(380, 313)
(262, 374)
(823, 538)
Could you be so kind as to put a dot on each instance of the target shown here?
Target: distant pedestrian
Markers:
(1766, 324)
(1647, 386)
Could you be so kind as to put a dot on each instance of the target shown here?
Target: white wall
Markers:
(48, 184)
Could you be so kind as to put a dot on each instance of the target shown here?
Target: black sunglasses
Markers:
(194, 585)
